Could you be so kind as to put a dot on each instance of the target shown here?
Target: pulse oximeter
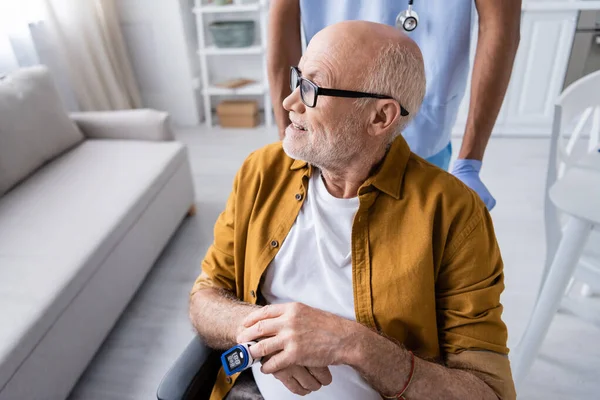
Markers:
(238, 358)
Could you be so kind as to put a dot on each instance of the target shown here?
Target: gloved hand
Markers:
(468, 172)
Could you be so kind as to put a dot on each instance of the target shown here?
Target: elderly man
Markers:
(364, 271)
(444, 38)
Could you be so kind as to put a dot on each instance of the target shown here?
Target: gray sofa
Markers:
(87, 203)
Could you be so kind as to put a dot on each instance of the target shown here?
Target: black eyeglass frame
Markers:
(320, 91)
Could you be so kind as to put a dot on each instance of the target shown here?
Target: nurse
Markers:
(443, 32)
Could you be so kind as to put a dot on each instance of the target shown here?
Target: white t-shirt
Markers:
(314, 267)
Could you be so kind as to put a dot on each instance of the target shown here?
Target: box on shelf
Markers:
(238, 113)
(234, 83)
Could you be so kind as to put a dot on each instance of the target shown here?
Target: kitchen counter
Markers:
(565, 5)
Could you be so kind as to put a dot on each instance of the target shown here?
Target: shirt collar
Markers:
(390, 174)
(298, 164)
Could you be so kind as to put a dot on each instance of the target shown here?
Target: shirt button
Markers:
(229, 380)
(274, 243)
(252, 293)
(298, 196)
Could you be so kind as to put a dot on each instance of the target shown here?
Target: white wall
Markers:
(160, 37)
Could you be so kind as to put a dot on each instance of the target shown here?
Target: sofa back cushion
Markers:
(34, 127)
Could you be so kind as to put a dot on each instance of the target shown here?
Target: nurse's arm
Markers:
(499, 35)
(284, 49)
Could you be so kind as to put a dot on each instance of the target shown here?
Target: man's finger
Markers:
(321, 374)
(261, 329)
(291, 383)
(304, 377)
(266, 312)
(266, 347)
(276, 363)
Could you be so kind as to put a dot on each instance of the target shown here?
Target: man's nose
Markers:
(293, 102)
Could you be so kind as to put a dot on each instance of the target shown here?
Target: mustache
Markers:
(298, 121)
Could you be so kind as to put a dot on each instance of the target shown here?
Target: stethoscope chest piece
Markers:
(407, 20)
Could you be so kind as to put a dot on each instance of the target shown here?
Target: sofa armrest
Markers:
(193, 374)
(142, 124)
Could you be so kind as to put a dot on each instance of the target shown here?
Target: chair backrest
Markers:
(576, 114)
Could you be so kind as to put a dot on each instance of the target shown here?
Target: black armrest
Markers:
(193, 374)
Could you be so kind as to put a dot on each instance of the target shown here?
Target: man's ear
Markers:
(385, 115)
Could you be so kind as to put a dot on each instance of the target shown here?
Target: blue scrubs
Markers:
(443, 35)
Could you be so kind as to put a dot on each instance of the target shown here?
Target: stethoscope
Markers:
(407, 20)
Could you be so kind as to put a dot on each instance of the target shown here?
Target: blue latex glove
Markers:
(468, 172)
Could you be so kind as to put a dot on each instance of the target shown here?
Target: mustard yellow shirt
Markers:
(426, 267)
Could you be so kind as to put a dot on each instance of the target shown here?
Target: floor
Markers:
(154, 329)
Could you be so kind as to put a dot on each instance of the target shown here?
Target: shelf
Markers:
(213, 50)
(253, 89)
(229, 8)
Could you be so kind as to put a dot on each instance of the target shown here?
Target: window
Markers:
(15, 16)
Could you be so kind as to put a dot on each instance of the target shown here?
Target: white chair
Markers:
(584, 112)
(572, 195)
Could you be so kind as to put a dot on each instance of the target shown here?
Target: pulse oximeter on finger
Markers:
(238, 358)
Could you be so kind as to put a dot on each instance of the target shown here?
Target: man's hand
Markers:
(296, 334)
(468, 172)
(302, 380)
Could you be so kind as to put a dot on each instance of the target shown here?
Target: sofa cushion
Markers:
(58, 226)
(34, 127)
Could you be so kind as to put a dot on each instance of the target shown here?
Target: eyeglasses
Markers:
(309, 91)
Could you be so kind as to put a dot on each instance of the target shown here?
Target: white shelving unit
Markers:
(209, 90)
(210, 9)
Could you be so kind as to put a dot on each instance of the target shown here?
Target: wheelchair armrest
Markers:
(193, 374)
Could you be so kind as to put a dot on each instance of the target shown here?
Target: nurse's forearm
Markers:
(499, 35)
(386, 367)
(284, 49)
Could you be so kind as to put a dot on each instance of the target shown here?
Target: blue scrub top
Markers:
(443, 35)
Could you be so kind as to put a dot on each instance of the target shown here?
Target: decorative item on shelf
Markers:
(238, 29)
(238, 113)
(222, 2)
(227, 34)
(234, 83)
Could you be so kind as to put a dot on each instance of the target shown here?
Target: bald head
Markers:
(361, 41)
(336, 131)
(370, 57)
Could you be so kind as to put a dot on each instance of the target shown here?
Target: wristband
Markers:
(400, 394)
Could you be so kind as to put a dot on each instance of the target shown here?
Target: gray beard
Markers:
(324, 155)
